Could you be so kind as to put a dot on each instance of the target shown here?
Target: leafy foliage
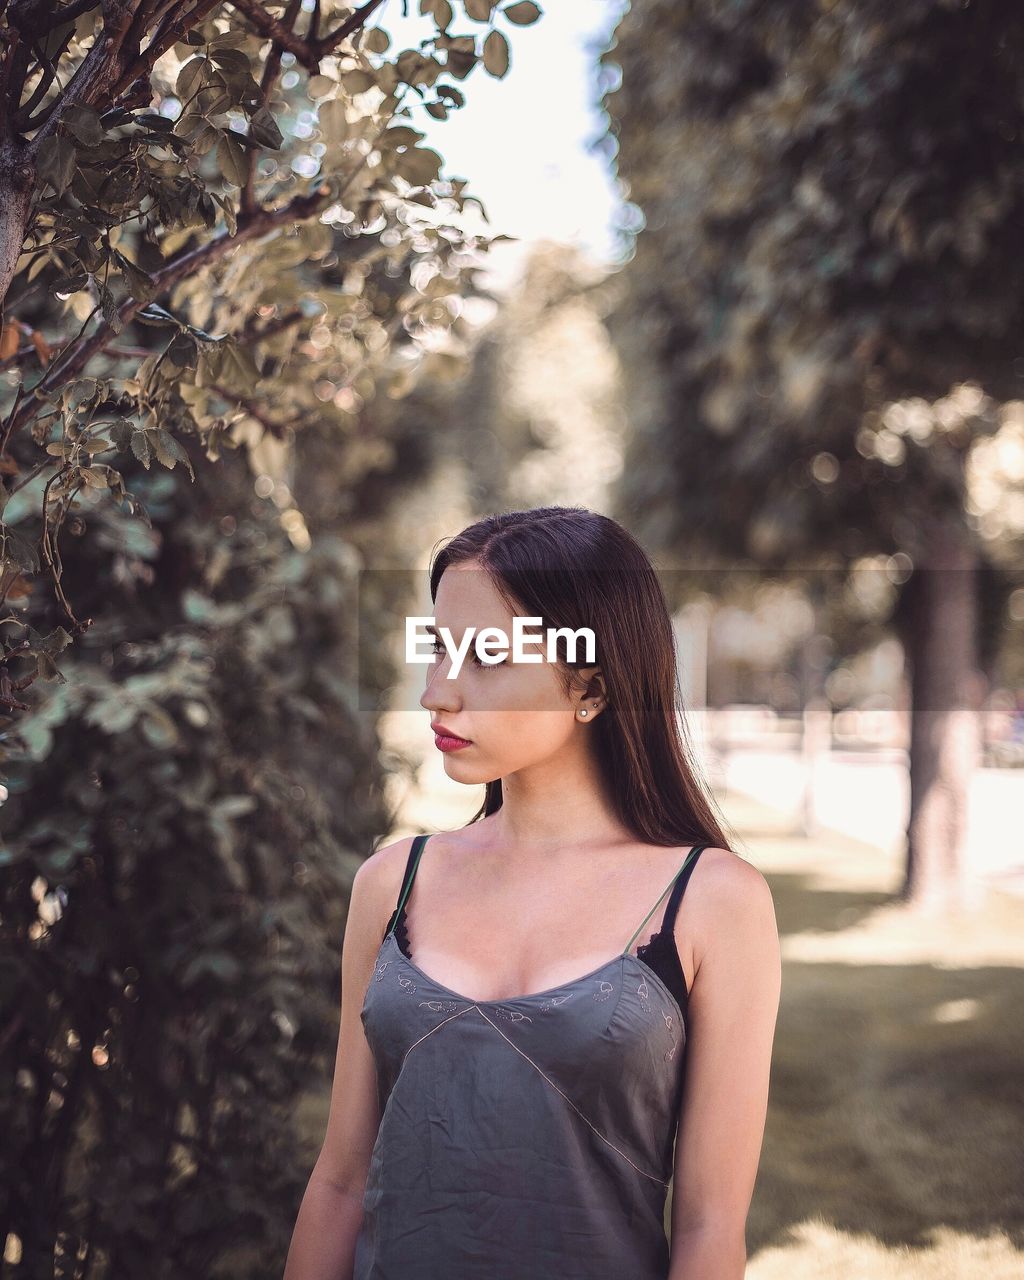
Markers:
(238, 193)
(178, 850)
(229, 254)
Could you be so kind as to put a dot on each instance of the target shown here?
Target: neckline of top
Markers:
(620, 959)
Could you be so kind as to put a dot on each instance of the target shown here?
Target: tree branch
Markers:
(185, 264)
(279, 430)
(274, 29)
(307, 49)
(252, 332)
(91, 78)
(38, 18)
(357, 20)
(271, 70)
(172, 28)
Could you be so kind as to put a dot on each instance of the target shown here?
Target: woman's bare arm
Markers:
(732, 1012)
(323, 1241)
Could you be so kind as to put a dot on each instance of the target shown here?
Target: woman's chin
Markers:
(463, 770)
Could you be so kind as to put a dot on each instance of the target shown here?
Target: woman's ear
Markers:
(594, 698)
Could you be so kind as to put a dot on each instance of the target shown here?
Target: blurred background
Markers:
(308, 288)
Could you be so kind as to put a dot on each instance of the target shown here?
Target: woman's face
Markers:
(514, 714)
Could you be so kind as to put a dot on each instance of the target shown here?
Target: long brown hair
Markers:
(575, 568)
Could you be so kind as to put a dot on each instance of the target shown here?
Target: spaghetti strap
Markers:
(677, 884)
(410, 871)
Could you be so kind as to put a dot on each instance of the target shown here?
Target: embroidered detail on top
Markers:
(440, 1006)
(378, 973)
(604, 990)
(552, 1001)
(669, 1054)
(513, 1015)
(407, 985)
(643, 992)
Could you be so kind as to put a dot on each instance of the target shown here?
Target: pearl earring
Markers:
(584, 713)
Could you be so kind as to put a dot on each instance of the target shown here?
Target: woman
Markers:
(509, 1078)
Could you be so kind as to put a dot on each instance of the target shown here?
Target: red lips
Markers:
(443, 731)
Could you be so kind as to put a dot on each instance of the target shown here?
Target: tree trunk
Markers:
(17, 181)
(945, 746)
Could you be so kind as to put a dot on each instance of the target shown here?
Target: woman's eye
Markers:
(438, 647)
(480, 663)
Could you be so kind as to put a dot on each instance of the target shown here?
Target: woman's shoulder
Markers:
(727, 894)
(727, 874)
(378, 878)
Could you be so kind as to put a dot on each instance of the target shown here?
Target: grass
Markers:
(893, 1146)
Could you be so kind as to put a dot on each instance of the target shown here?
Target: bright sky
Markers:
(522, 142)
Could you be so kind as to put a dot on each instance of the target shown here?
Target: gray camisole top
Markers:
(523, 1139)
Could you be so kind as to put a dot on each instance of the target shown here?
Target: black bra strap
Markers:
(668, 923)
(410, 871)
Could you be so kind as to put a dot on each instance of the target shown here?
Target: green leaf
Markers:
(71, 283)
(230, 218)
(419, 165)
(84, 123)
(215, 96)
(156, 123)
(237, 366)
(155, 314)
(400, 136)
(523, 14)
(121, 434)
(358, 81)
(376, 40)
(231, 59)
(333, 120)
(439, 10)
(168, 450)
(183, 351)
(263, 129)
(108, 307)
(140, 447)
(189, 78)
(15, 546)
(461, 59)
(231, 155)
(56, 163)
(496, 54)
(140, 283)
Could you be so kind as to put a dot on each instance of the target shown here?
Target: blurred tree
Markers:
(822, 333)
(535, 406)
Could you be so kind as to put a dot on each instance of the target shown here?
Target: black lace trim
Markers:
(402, 935)
(659, 953)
